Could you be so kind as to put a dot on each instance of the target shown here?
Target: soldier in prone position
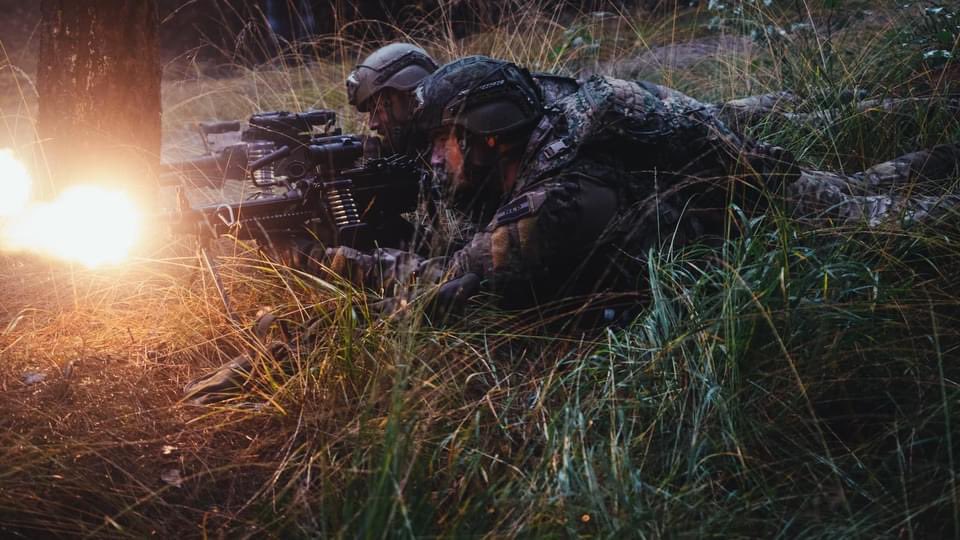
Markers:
(382, 86)
(569, 189)
(570, 194)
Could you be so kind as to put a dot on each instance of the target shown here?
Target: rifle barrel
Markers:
(208, 171)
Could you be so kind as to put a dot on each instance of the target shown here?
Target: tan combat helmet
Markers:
(400, 66)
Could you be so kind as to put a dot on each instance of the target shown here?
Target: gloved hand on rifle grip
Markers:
(451, 298)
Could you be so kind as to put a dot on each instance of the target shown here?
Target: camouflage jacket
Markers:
(617, 168)
(608, 174)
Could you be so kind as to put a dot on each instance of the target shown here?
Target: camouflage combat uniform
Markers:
(786, 107)
(602, 182)
(915, 187)
(615, 169)
(887, 191)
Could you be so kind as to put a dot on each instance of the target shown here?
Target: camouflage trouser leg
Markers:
(741, 114)
(919, 186)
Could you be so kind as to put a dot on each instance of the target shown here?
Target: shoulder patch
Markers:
(525, 205)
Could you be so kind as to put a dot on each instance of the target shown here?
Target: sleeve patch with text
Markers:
(521, 207)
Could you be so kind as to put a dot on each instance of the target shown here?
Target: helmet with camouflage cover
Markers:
(478, 113)
(398, 66)
(480, 95)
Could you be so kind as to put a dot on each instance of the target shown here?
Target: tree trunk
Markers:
(99, 93)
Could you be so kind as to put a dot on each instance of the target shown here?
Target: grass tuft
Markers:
(794, 381)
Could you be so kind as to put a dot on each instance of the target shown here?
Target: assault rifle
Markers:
(229, 147)
(334, 187)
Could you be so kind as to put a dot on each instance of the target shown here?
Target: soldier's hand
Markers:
(451, 297)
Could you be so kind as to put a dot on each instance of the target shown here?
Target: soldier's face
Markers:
(390, 110)
(446, 159)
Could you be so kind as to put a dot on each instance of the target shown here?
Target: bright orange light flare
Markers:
(88, 224)
(14, 184)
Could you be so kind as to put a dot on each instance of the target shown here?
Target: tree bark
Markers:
(99, 93)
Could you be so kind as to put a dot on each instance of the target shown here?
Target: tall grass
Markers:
(795, 381)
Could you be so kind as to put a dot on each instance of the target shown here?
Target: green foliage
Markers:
(577, 41)
(793, 381)
(935, 34)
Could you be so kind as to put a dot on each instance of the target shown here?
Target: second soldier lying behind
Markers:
(570, 196)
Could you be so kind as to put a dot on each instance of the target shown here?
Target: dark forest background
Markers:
(227, 31)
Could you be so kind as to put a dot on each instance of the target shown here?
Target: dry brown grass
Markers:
(504, 426)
